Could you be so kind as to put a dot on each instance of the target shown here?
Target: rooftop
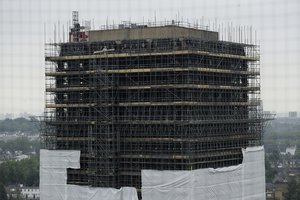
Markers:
(168, 29)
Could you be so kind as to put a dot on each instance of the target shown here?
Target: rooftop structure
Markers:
(141, 97)
(293, 114)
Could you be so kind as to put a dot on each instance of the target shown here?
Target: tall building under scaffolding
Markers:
(165, 97)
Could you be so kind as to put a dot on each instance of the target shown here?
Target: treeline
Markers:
(18, 125)
(20, 172)
(272, 140)
(293, 192)
(284, 137)
(21, 144)
(290, 137)
(270, 172)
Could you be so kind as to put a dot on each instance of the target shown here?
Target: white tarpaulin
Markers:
(242, 182)
(53, 180)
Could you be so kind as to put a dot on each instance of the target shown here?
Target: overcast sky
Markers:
(22, 25)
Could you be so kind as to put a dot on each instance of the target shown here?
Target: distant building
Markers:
(293, 114)
(270, 195)
(267, 112)
(280, 190)
(21, 157)
(30, 193)
(290, 150)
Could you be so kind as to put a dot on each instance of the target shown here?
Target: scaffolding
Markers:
(165, 104)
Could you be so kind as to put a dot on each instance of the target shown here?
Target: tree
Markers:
(20, 172)
(298, 191)
(293, 188)
(270, 173)
(3, 195)
(275, 156)
(23, 144)
(19, 124)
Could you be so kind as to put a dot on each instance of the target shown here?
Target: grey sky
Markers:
(22, 40)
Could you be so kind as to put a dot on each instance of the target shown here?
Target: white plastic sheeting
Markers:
(245, 181)
(242, 182)
(53, 180)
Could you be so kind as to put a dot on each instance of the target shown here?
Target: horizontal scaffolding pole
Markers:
(175, 103)
(161, 156)
(181, 52)
(177, 139)
(181, 122)
(188, 86)
(168, 86)
(69, 89)
(165, 139)
(146, 70)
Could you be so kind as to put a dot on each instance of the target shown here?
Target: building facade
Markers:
(31, 193)
(139, 97)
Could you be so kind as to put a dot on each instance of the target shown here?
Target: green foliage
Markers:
(297, 153)
(3, 195)
(293, 190)
(18, 124)
(20, 172)
(270, 173)
(21, 144)
(274, 156)
(286, 137)
(17, 195)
